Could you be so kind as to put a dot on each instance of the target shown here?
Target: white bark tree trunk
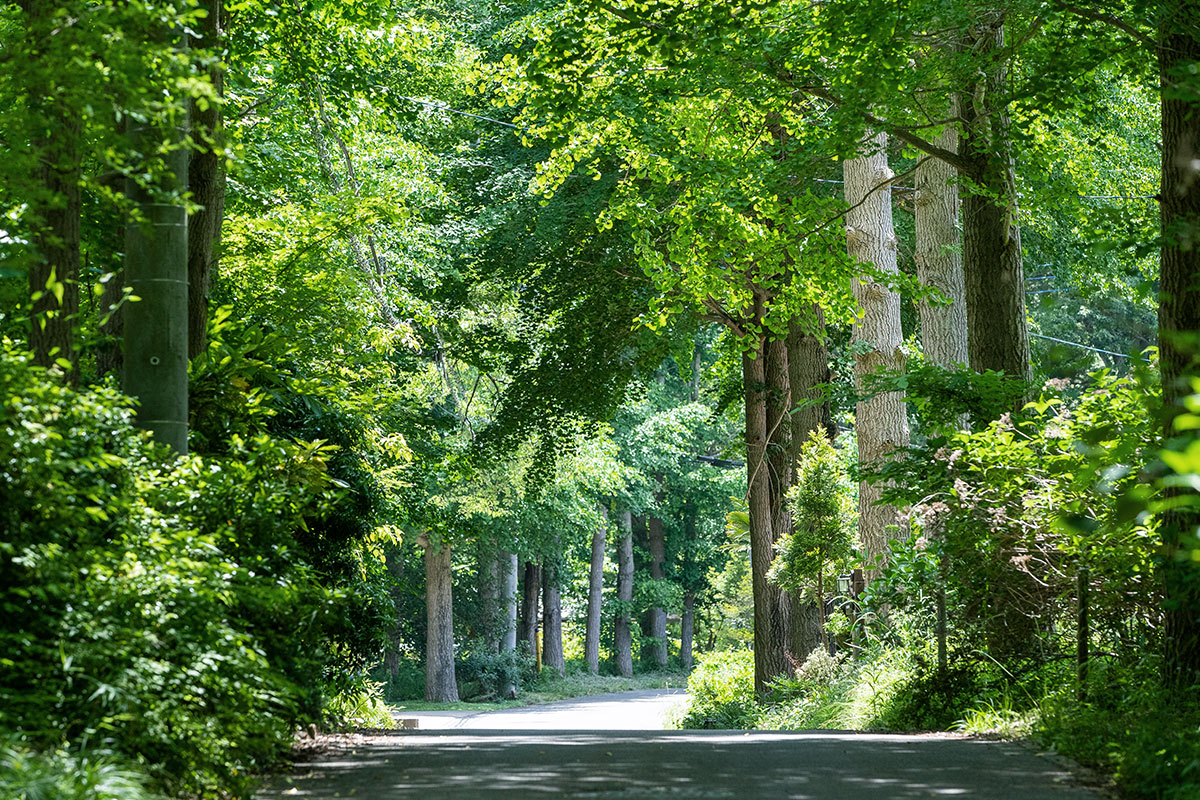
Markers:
(591, 644)
(881, 422)
(939, 258)
(508, 641)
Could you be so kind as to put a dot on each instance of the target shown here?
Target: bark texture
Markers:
(994, 280)
(1179, 320)
(938, 256)
(623, 632)
(770, 614)
(440, 684)
(508, 639)
(881, 421)
(591, 639)
(530, 594)
(54, 206)
(687, 630)
(206, 179)
(552, 643)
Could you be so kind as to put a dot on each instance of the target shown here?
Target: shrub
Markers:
(722, 692)
(62, 775)
(494, 673)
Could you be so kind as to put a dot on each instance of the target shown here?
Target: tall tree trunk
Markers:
(687, 630)
(808, 369)
(657, 614)
(623, 633)
(997, 338)
(54, 207)
(206, 180)
(440, 684)
(394, 564)
(1179, 322)
(508, 641)
(156, 258)
(490, 578)
(939, 259)
(552, 643)
(531, 592)
(770, 621)
(881, 422)
(779, 458)
(591, 643)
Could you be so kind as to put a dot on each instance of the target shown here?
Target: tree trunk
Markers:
(808, 368)
(156, 259)
(552, 644)
(591, 644)
(206, 180)
(54, 205)
(623, 633)
(994, 280)
(770, 623)
(394, 564)
(490, 579)
(881, 422)
(657, 614)
(508, 641)
(687, 629)
(527, 632)
(440, 685)
(939, 260)
(1179, 323)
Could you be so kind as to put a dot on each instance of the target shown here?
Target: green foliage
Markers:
(158, 605)
(822, 506)
(493, 674)
(63, 775)
(722, 691)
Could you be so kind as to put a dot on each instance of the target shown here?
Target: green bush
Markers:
(722, 692)
(491, 674)
(157, 604)
(62, 775)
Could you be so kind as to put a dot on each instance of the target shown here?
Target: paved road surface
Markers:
(458, 764)
(643, 710)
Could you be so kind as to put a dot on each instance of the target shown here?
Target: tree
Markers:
(591, 647)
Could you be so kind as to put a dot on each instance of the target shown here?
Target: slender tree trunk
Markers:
(687, 630)
(1179, 323)
(657, 614)
(623, 644)
(489, 595)
(527, 632)
(206, 180)
(509, 638)
(440, 684)
(54, 207)
(591, 644)
(156, 337)
(997, 337)
(552, 643)
(770, 622)
(938, 258)
(394, 563)
(881, 422)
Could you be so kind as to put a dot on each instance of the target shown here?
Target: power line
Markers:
(1082, 346)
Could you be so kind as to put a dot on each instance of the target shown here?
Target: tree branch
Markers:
(1099, 16)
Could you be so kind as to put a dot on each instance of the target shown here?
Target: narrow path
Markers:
(642, 710)
(521, 760)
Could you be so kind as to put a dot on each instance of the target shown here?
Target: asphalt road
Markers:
(462, 764)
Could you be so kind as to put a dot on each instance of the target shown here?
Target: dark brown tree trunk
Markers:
(657, 614)
(591, 643)
(531, 591)
(440, 684)
(552, 643)
(206, 181)
(997, 338)
(770, 620)
(54, 205)
(623, 633)
(1179, 322)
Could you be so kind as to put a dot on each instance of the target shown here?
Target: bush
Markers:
(156, 602)
(722, 692)
(61, 775)
(492, 674)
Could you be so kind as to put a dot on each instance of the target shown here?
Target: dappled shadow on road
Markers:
(700, 764)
